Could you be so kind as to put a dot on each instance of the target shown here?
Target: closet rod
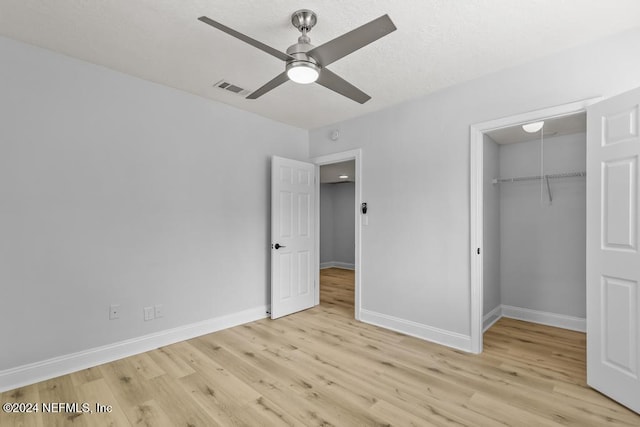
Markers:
(537, 177)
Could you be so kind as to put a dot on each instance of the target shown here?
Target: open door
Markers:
(293, 198)
(613, 259)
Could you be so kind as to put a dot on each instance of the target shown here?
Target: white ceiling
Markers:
(330, 174)
(566, 125)
(438, 43)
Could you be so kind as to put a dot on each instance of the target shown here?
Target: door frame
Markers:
(327, 160)
(476, 173)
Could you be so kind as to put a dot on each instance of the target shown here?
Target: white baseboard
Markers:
(62, 365)
(418, 330)
(551, 319)
(491, 317)
(337, 264)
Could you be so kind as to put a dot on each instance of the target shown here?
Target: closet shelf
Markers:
(538, 177)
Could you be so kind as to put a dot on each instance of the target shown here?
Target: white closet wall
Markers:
(491, 227)
(326, 224)
(542, 256)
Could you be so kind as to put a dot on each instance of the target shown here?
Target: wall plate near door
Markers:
(114, 311)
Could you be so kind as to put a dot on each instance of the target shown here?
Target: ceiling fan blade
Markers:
(255, 43)
(272, 84)
(332, 81)
(349, 42)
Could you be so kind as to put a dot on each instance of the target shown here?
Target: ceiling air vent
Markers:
(225, 85)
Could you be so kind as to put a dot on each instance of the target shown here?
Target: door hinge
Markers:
(478, 251)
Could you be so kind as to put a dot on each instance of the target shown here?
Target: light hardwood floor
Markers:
(322, 368)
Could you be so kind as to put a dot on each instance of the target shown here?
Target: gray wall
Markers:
(491, 227)
(326, 223)
(415, 170)
(118, 190)
(543, 246)
(337, 223)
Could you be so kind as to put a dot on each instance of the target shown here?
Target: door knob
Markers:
(278, 246)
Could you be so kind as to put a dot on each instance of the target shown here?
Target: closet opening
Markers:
(534, 223)
(556, 170)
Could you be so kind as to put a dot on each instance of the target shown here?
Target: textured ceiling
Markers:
(438, 43)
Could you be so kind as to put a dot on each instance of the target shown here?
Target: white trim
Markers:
(62, 365)
(337, 264)
(535, 316)
(476, 240)
(326, 160)
(491, 317)
(550, 319)
(418, 330)
(476, 198)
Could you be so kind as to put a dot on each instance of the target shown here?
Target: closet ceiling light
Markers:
(343, 176)
(533, 127)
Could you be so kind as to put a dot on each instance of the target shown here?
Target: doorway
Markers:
(478, 178)
(534, 223)
(337, 234)
(342, 197)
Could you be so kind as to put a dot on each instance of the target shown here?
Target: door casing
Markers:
(477, 132)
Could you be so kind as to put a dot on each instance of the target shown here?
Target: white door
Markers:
(293, 196)
(613, 259)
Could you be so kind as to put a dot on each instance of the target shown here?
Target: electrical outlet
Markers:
(114, 311)
(159, 310)
(148, 313)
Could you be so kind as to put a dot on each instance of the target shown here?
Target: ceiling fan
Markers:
(306, 63)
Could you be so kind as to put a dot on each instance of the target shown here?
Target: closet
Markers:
(534, 223)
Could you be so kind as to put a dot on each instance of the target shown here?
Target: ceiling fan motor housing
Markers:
(299, 52)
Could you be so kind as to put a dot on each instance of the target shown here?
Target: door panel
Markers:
(619, 304)
(613, 259)
(304, 272)
(619, 193)
(304, 215)
(285, 277)
(620, 126)
(293, 195)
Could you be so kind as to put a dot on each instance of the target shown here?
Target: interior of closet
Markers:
(534, 223)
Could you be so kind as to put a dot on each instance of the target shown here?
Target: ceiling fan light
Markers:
(302, 72)
(533, 127)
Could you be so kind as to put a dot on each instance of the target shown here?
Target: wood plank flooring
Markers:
(321, 368)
